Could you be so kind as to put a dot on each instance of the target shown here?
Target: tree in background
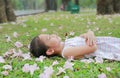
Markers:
(116, 6)
(6, 11)
(51, 5)
(77, 2)
(64, 4)
(108, 6)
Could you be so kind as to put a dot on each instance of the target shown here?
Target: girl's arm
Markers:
(79, 51)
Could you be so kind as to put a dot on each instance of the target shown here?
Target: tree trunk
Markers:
(47, 5)
(6, 11)
(51, 5)
(9, 11)
(116, 6)
(105, 7)
(3, 17)
(77, 2)
(65, 3)
(54, 5)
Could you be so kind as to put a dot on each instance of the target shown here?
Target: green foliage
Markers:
(28, 4)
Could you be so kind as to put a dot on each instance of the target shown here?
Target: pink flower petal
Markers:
(18, 54)
(25, 68)
(72, 33)
(8, 39)
(9, 53)
(99, 60)
(2, 60)
(68, 65)
(26, 56)
(52, 24)
(108, 68)
(47, 72)
(44, 30)
(87, 60)
(18, 44)
(5, 73)
(15, 34)
(30, 68)
(7, 67)
(66, 77)
(41, 58)
(102, 75)
(55, 63)
(61, 70)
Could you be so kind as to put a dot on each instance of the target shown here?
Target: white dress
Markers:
(108, 47)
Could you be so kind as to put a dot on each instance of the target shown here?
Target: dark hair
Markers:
(37, 47)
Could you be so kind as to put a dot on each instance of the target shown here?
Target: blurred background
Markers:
(9, 9)
(22, 7)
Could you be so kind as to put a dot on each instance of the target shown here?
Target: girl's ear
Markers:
(50, 51)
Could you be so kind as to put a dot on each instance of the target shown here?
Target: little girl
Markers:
(86, 45)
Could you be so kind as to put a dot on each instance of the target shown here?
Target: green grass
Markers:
(78, 23)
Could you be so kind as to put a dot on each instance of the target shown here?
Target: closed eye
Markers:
(48, 37)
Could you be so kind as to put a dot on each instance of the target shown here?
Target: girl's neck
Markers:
(58, 50)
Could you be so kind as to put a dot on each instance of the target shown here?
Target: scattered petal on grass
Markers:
(68, 65)
(24, 25)
(8, 38)
(94, 23)
(43, 75)
(110, 20)
(7, 67)
(46, 19)
(25, 68)
(33, 68)
(102, 75)
(72, 33)
(26, 56)
(108, 68)
(110, 33)
(13, 23)
(52, 24)
(87, 60)
(18, 44)
(89, 23)
(30, 68)
(61, 70)
(55, 63)
(2, 60)
(71, 58)
(66, 77)
(28, 46)
(47, 72)
(60, 27)
(99, 59)
(5, 73)
(9, 53)
(41, 58)
(17, 54)
(15, 34)
(44, 30)
(1, 27)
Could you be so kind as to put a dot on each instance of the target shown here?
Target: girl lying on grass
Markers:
(85, 45)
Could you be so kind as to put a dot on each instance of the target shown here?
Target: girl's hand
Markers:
(89, 38)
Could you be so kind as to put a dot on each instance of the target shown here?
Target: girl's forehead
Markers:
(42, 35)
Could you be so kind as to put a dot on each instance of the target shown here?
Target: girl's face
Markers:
(52, 41)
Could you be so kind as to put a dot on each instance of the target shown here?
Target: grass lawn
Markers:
(59, 23)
